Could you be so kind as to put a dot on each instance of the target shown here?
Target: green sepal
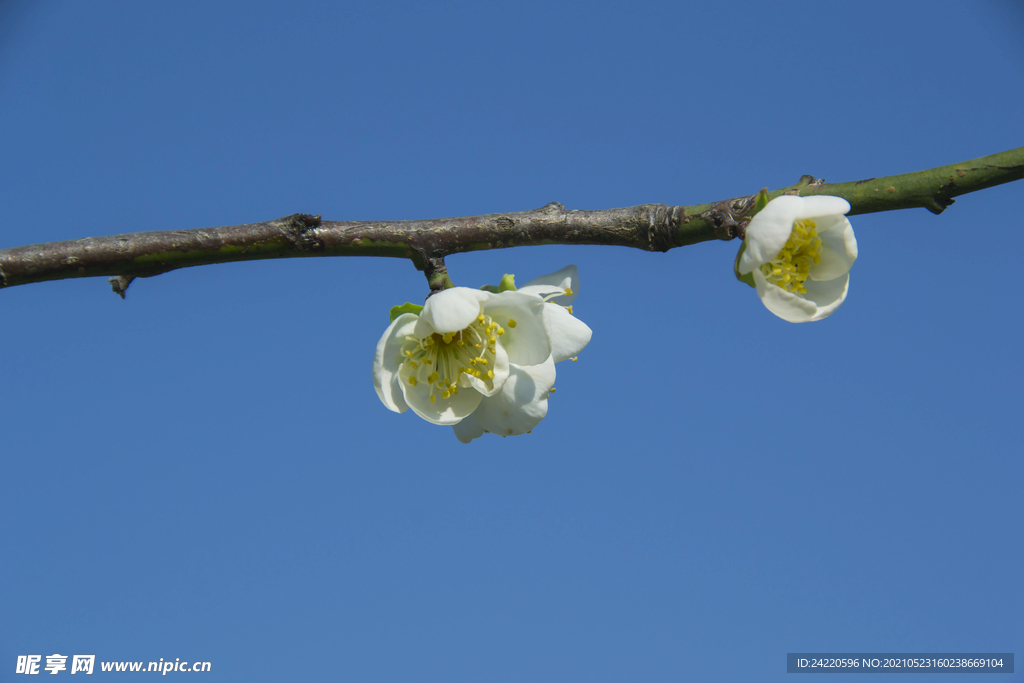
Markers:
(749, 277)
(760, 201)
(405, 308)
(507, 284)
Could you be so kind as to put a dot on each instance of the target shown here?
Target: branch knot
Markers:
(661, 222)
(723, 216)
(301, 230)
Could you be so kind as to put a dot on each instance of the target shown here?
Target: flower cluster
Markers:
(798, 252)
(481, 361)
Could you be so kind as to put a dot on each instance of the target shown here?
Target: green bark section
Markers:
(934, 189)
(695, 230)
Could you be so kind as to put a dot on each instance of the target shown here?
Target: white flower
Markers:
(481, 361)
(799, 251)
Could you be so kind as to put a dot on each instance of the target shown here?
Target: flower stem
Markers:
(437, 275)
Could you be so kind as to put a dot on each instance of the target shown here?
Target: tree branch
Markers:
(652, 227)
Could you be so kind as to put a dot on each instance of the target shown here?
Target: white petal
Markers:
(559, 281)
(500, 374)
(820, 205)
(449, 310)
(443, 411)
(838, 248)
(468, 428)
(526, 343)
(786, 305)
(522, 402)
(768, 232)
(828, 295)
(387, 360)
(567, 333)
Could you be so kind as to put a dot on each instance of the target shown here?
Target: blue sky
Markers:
(204, 472)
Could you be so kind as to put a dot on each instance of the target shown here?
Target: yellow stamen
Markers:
(790, 269)
(512, 323)
(443, 358)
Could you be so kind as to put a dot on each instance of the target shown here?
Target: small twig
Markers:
(120, 284)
